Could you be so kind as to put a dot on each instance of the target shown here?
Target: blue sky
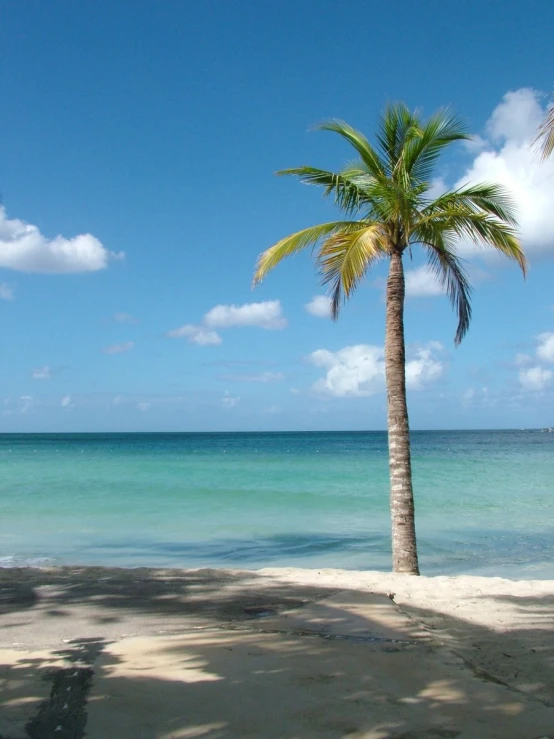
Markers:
(139, 142)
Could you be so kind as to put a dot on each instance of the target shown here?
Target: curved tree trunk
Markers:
(404, 548)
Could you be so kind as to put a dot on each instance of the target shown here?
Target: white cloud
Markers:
(229, 401)
(545, 348)
(320, 306)
(535, 378)
(24, 248)
(509, 158)
(421, 282)
(7, 291)
(66, 402)
(359, 370)
(266, 315)
(352, 371)
(118, 348)
(195, 334)
(144, 406)
(424, 368)
(41, 373)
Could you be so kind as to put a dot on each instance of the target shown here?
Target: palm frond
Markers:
(546, 133)
(481, 229)
(448, 270)
(367, 153)
(398, 125)
(485, 197)
(295, 243)
(423, 149)
(344, 258)
(348, 192)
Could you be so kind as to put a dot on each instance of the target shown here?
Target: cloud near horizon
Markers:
(359, 370)
(536, 378)
(25, 249)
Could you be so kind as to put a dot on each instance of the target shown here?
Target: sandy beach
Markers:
(290, 653)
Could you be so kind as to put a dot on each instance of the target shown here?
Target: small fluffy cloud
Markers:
(545, 347)
(424, 369)
(66, 402)
(535, 378)
(508, 157)
(195, 334)
(266, 315)
(7, 291)
(359, 370)
(421, 282)
(532, 376)
(24, 248)
(229, 401)
(320, 306)
(118, 348)
(352, 371)
(41, 373)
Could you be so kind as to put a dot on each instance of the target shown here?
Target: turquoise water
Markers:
(484, 500)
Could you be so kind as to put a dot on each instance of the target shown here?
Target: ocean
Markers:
(484, 500)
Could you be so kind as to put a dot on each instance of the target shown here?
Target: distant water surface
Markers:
(484, 500)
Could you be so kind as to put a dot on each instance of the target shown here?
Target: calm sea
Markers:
(484, 500)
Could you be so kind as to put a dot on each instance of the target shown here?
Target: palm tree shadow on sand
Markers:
(232, 663)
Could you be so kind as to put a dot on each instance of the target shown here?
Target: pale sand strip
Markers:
(281, 653)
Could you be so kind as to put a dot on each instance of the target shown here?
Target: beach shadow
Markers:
(225, 668)
(248, 678)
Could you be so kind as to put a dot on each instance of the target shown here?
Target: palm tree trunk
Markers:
(404, 548)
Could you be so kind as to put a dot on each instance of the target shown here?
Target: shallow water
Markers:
(484, 500)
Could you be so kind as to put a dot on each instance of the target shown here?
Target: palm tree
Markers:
(546, 133)
(385, 195)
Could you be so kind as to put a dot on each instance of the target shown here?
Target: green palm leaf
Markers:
(366, 152)
(348, 191)
(297, 242)
(345, 257)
